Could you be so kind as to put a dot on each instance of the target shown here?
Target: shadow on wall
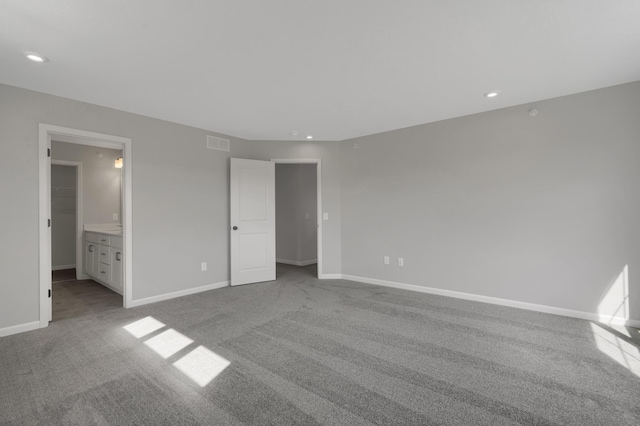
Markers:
(611, 336)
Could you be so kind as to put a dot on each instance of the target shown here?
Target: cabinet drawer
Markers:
(104, 253)
(92, 237)
(104, 240)
(105, 273)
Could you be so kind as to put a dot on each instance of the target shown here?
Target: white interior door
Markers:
(253, 221)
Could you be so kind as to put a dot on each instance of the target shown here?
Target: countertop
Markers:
(104, 229)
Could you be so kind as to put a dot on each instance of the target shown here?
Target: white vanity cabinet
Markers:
(103, 258)
(117, 258)
(91, 259)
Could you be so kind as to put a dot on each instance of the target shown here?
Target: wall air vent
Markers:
(214, 142)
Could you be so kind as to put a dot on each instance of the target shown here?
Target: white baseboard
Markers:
(167, 296)
(330, 276)
(296, 262)
(61, 267)
(20, 328)
(498, 301)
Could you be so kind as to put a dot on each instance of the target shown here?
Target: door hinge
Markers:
(48, 152)
(49, 292)
(49, 223)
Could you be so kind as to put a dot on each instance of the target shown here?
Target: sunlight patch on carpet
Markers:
(168, 343)
(201, 365)
(143, 327)
(621, 351)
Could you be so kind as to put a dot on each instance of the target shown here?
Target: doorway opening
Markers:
(66, 216)
(298, 217)
(85, 194)
(84, 191)
(252, 230)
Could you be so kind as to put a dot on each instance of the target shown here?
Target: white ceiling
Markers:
(334, 69)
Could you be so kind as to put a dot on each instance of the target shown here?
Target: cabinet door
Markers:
(90, 257)
(96, 261)
(116, 268)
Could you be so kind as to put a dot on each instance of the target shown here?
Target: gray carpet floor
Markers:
(334, 352)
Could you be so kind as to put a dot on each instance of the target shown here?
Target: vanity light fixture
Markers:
(119, 163)
(36, 57)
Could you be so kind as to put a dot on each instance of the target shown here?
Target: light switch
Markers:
(386, 260)
(306, 216)
(325, 216)
(115, 216)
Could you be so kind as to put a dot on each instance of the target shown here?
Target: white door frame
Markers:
(79, 213)
(318, 163)
(45, 131)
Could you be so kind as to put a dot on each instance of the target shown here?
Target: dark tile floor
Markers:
(73, 298)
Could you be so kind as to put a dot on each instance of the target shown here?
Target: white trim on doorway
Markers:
(79, 218)
(318, 163)
(65, 134)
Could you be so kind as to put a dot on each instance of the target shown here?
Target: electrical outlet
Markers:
(400, 261)
(203, 266)
(386, 260)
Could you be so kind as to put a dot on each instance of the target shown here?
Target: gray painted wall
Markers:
(180, 197)
(308, 212)
(63, 216)
(101, 181)
(296, 212)
(538, 209)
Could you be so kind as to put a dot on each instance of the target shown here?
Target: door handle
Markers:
(90, 249)
(235, 228)
(118, 256)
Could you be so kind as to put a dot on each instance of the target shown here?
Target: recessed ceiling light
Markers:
(309, 137)
(491, 94)
(36, 57)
